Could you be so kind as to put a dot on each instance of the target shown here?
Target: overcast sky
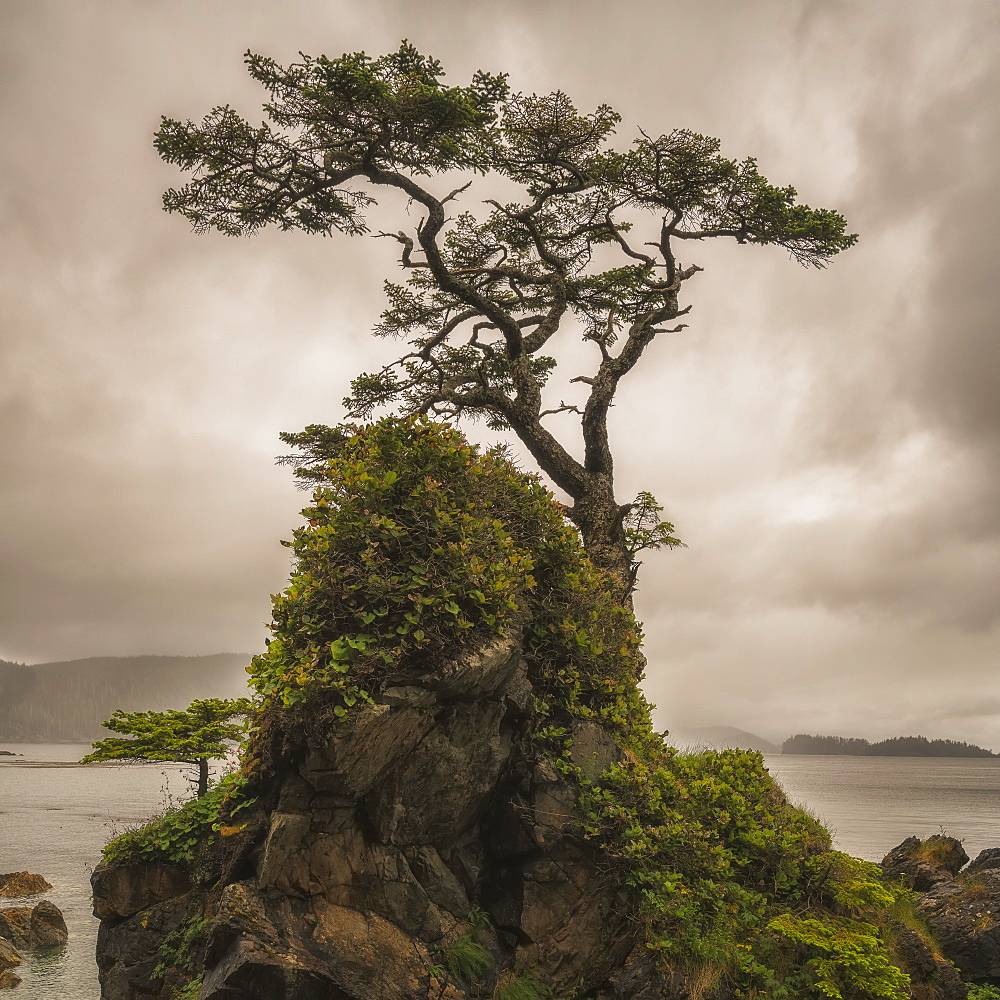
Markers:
(826, 442)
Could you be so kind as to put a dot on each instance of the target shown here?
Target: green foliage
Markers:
(178, 950)
(176, 834)
(172, 836)
(206, 729)
(709, 843)
(981, 992)
(466, 959)
(392, 111)
(190, 991)
(845, 957)
(524, 987)
(397, 558)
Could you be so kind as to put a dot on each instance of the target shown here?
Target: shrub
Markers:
(397, 557)
(176, 834)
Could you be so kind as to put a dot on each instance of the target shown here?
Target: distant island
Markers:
(897, 746)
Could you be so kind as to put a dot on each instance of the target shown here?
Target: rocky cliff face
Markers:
(384, 842)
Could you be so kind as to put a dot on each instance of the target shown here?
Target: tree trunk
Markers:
(202, 776)
(599, 518)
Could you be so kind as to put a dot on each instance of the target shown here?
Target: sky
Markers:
(827, 442)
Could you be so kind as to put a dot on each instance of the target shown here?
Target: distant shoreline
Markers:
(891, 756)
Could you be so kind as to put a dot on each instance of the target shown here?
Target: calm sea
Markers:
(55, 818)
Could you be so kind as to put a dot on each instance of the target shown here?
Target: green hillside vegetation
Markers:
(896, 746)
(67, 701)
(418, 546)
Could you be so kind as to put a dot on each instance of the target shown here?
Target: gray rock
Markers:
(8, 979)
(41, 926)
(15, 925)
(593, 749)
(924, 864)
(985, 860)
(961, 908)
(380, 837)
(48, 928)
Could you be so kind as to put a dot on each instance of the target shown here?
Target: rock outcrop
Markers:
(453, 787)
(41, 926)
(960, 905)
(16, 884)
(383, 840)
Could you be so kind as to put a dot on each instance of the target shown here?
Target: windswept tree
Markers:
(588, 244)
(207, 729)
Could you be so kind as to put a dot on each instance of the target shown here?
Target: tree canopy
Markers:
(205, 730)
(588, 245)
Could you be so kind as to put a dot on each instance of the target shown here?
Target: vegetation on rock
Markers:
(418, 544)
(417, 547)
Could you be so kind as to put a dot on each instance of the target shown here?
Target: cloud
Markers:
(826, 442)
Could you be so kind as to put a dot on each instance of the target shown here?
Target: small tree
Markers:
(587, 243)
(205, 730)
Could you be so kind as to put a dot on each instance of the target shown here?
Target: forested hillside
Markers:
(70, 699)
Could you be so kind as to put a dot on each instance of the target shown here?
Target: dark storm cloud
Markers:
(827, 443)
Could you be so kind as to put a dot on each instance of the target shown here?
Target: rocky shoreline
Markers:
(26, 927)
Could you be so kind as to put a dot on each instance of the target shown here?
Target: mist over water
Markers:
(56, 817)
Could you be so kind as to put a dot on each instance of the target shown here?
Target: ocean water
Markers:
(871, 804)
(55, 817)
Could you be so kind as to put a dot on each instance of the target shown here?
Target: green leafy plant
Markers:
(524, 987)
(845, 957)
(176, 834)
(466, 959)
(178, 950)
(978, 991)
(190, 990)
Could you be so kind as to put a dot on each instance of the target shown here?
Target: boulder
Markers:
(47, 928)
(985, 860)
(391, 839)
(924, 864)
(15, 925)
(8, 979)
(42, 926)
(8, 955)
(15, 884)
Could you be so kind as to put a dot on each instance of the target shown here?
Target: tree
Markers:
(486, 295)
(204, 731)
